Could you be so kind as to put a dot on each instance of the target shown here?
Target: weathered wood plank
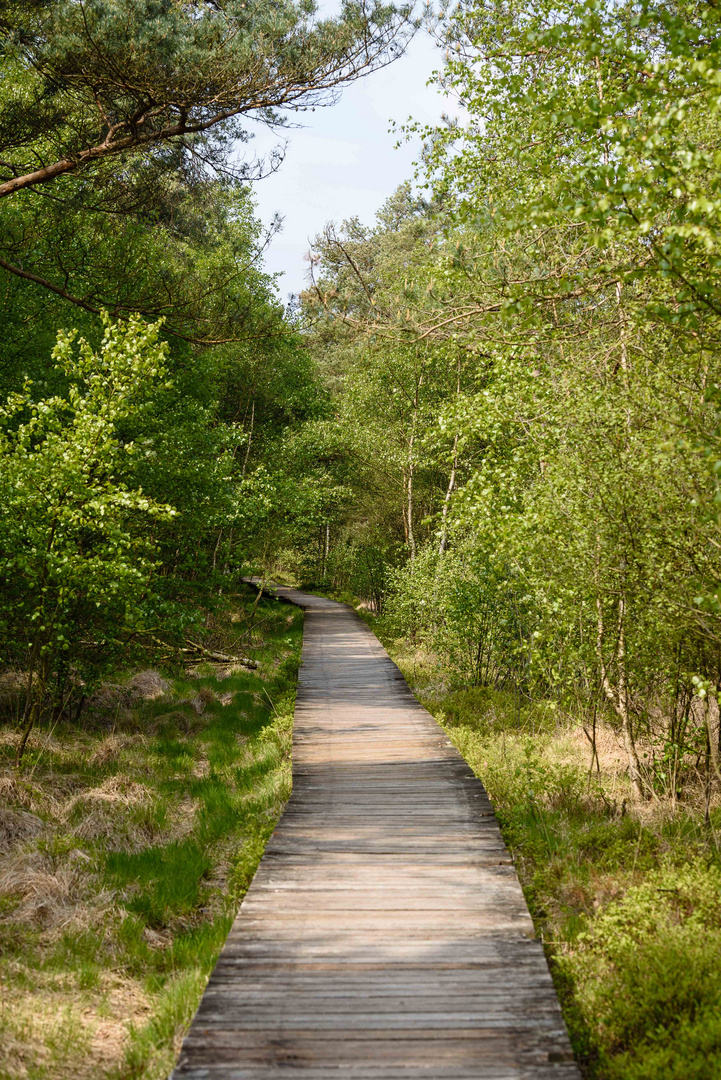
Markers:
(385, 934)
(477, 1071)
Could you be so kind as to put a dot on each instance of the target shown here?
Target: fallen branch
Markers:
(194, 648)
(218, 657)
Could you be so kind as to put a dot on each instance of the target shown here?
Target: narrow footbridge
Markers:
(385, 935)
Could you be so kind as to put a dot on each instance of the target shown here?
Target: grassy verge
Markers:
(626, 898)
(126, 844)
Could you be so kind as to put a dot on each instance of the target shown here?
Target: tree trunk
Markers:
(250, 439)
(33, 708)
(623, 358)
(447, 501)
(411, 537)
(618, 696)
(712, 743)
(217, 546)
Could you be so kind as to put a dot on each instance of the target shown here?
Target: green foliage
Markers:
(628, 907)
(360, 563)
(131, 110)
(188, 250)
(541, 343)
(649, 967)
(387, 389)
(620, 144)
(76, 554)
(136, 479)
(468, 611)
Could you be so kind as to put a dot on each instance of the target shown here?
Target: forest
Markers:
(491, 423)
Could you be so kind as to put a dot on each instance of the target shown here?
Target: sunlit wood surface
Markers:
(385, 934)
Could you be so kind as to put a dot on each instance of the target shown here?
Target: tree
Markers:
(572, 266)
(192, 255)
(392, 385)
(99, 96)
(76, 545)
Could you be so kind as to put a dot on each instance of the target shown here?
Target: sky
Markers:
(342, 161)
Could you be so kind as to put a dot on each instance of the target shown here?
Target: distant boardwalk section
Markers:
(385, 935)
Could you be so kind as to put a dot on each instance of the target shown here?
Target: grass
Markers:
(626, 898)
(126, 844)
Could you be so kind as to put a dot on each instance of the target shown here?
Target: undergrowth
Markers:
(126, 844)
(626, 898)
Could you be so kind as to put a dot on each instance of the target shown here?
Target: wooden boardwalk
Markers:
(385, 935)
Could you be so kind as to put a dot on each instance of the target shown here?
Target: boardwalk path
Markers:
(385, 935)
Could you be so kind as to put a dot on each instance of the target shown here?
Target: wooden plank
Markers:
(477, 1071)
(385, 936)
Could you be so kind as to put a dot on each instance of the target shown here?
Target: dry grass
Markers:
(125, 844)
(17, 826)
(51, 897)
(624, 892)
(119, 813)
(45, 1034)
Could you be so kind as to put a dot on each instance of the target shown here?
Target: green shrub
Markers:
(646, 976)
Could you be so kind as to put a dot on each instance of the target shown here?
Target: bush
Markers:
(470, 611)
(76, 553)
(647, 977)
